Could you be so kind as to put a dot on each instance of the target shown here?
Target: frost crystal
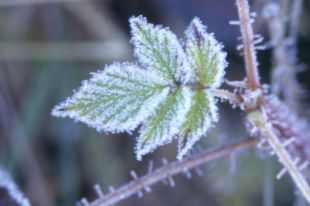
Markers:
(169, 93)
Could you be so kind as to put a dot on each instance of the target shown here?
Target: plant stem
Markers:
(226, 95)
(287, 161)
(284, 55)
(170, 170)
(249, 50)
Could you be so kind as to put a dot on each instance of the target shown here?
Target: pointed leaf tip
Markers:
(158, 49)
(205, 55)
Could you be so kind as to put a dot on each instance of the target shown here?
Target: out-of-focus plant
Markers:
(171, 93)
(10, 194)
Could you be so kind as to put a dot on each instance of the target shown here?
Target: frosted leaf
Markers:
(161, 128)
(158, 49)
(201, 114)
(9, 192)
(118, 98)
(169, 93)
(205, 55)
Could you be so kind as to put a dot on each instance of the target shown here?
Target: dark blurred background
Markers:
(47, 47)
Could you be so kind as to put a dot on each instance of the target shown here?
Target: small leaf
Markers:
(116, 99)
(158, 49)
(161, 128)
(201, 114)
(205, 55)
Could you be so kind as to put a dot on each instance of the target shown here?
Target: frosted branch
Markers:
(259, 119)
(248, 44)
(169, 170)
(284, 54)
(288, 162)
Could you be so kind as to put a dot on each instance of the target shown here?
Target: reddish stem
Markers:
(249, 50)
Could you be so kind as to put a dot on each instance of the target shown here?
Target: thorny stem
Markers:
(253, 83)
(286, 160)
(172, 169)
(248, 45)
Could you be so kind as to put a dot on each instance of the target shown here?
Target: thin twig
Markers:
(226, 95)
(6, 3)
(294, 23)
(170, 170)
(248, 44)
(47, 51)
(97, 20)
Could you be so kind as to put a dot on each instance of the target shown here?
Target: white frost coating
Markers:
(158, 49)
(7, 183)
(210, 116)
(164, 131)
(203, 47)
(116, 99)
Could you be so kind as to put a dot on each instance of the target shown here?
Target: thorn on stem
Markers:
(281, 173)
(84, 202)
(234, 22)
(111, 189)
(150, 167)
(99, 190)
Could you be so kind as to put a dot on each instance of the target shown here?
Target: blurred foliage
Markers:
(47, 49)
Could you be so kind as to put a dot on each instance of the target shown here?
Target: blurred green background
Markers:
(47, 47)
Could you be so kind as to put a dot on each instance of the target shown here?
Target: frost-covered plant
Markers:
(9, 192)
(169, 91)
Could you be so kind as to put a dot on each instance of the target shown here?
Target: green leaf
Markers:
(201, 114)
(116, 99)
(158, 49)
(162, 127)
(205, 55)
